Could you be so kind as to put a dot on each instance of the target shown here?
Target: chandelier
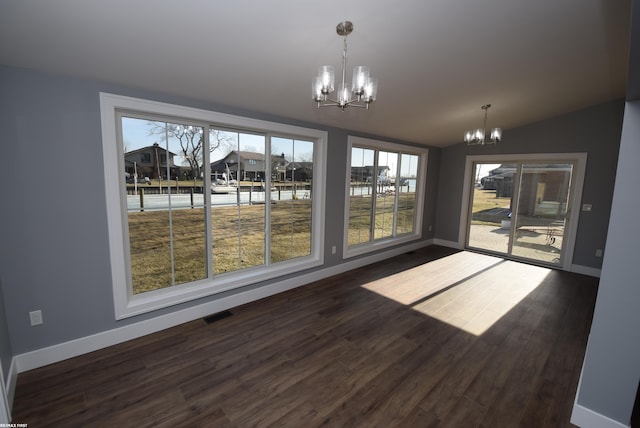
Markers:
(476, 137)
(362, 91)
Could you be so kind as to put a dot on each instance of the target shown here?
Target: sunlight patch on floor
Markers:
(414, 284)
(467, 290)
(478, 303)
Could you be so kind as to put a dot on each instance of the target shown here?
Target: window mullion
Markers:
(374, 197)
(238, 205)
(396, 198)
(294, 196)
(168, 172)
(267, 200)
(206, 185)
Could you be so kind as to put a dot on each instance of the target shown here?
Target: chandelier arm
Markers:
(332, 103)
(350, 101)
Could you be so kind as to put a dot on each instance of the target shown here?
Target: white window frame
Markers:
(573, 209)
(382, 243)
(127, 304)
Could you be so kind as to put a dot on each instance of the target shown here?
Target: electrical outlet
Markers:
(430, 227)
(333, 249)
(35, 317)
(598, 252)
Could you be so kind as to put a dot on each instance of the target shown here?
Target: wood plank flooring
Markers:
(434, 337)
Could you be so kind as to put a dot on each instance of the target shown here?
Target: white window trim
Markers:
(125, 303)
(380, 244)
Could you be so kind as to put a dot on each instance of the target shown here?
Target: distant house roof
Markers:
(250, 155)
(300, 165)
(239, 156)
(504, 168)
(149, 148)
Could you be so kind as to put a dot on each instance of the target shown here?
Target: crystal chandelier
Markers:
(362, 91)
(476, 137)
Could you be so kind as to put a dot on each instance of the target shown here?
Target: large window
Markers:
(207, 202)
(385, 186)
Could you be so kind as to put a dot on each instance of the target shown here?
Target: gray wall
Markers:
(594, 130)
(611, 368)
(54, 250)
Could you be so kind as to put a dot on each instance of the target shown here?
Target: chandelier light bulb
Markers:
(360, 79)
(496, 134)
(316, 89)
(371, 90)
(343, 96)
(327, 78)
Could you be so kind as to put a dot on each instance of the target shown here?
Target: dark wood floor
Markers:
(419, 340)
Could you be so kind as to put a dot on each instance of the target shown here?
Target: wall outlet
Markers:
(333, 249)
(598, 252)
(35, 317)
(430, 228)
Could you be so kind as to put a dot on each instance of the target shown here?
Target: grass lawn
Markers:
(485, 200)
(360, 217)
(238, 238)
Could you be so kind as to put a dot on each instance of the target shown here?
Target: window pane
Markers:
(251, 163)
(361, 191)
(150, 250)
(185, 146)
(385, 200)
(292, 175)
(407, 193)
(542, 211)
(237, 200)
(165, 204)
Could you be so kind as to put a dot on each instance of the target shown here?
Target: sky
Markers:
(137, 134)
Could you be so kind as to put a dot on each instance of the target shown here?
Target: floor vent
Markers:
(216, 317)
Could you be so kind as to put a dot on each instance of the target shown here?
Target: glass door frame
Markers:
(573, 205)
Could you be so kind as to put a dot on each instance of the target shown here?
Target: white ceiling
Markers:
(437, 61)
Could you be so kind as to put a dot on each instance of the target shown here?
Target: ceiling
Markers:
(437, 61)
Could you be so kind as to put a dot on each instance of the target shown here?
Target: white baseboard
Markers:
(12, 380)
(586, 270)
(587, 418)
(73, 348)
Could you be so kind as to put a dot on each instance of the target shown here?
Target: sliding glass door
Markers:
(541, 213)
(521, 208)
(490, 219)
